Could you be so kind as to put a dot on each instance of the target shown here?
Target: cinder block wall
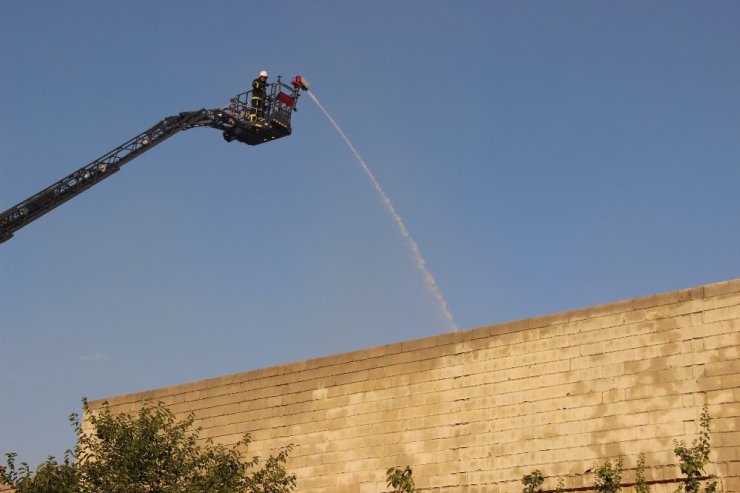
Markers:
(474, 411)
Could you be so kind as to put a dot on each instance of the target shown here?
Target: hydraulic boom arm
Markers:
(239, 121)
(72, 185)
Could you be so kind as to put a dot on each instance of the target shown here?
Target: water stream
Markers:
(420, 262)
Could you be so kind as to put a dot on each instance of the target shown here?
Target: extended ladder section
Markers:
(238, 121)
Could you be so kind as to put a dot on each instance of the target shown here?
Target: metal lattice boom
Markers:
(273, 123)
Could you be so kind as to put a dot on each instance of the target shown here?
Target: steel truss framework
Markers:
(272, 123)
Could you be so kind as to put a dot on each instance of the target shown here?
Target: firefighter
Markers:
(259, 90)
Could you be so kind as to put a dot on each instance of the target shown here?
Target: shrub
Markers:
(640, 485)
(532, 482)
(401, 481)
(693, 460)
(608, 477)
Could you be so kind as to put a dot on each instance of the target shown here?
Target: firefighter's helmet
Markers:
(263, 74)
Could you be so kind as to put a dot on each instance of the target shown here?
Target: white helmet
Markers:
(263, 73)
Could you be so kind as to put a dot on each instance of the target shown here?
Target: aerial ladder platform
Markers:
(239, 120)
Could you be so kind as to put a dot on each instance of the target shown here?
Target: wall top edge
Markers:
(570, 316)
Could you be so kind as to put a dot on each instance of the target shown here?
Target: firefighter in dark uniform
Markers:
(259, 92)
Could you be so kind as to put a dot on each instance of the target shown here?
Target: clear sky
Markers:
(545, 156)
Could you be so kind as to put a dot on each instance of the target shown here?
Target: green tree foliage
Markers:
(640, 485)
(149, 452)
(532, 482)
(50, 476)
(561, 486)
(693, 460)
(608, 477)
(401, 480)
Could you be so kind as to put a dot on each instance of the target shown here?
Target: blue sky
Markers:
(545, 156)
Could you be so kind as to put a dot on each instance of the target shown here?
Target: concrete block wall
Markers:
(474, 411)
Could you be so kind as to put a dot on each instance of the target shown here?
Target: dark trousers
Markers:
(255, 110)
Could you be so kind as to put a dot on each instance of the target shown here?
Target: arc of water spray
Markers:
(420, 262)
